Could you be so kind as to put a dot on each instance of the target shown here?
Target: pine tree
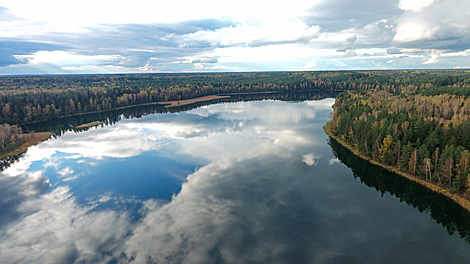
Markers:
(435, 161)
(412, 163)
(464, 162)
(376, 150)
(446, 163)
(427, 168)
(404, 157)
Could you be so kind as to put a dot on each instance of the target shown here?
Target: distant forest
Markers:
(29, 99)
(24, 100)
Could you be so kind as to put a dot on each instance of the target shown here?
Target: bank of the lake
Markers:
(462, 201)
(81, 121)
(220, 183)
(192, 101)
(37, 137)
(31, 139)
(91, 124)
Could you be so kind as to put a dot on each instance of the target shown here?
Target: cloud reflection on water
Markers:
(256, 199)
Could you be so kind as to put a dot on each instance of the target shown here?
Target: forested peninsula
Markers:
(415, 122)
(420, 132)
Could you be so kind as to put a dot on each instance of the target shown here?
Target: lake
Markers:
(233, 182)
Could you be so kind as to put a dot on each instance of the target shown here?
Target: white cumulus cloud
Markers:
(310, 159)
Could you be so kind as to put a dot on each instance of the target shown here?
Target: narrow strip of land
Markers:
(192, 101)
(31, 139)
(456, 198)
(92, 124)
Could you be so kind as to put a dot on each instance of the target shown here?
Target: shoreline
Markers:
(462, 201)
(42, 136)
(195, 100)
(88, 125)
(168, 104)
(31, 140)
(192, 101)
(127, 107)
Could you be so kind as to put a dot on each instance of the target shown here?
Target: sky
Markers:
(86, 37)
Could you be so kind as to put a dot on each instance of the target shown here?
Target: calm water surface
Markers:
(247, 182)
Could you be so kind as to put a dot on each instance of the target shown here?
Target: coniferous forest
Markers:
(422, 130)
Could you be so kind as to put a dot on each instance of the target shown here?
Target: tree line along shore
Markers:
(39, 98)
(421, 133)
(416, 121)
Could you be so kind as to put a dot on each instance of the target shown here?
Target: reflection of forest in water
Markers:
(441, 208)
(61, 125)
(8, 161)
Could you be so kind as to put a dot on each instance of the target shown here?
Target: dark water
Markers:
(246, 182)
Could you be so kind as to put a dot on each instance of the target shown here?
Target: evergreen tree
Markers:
(404, 157)
(413, 162)
(446, 163)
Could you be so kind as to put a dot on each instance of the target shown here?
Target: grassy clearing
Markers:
(192, 101)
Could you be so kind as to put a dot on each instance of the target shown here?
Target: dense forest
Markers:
(421, 130)
(443, 210)
(28, 99)
(31, 99)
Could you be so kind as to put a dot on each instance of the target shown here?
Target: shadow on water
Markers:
(441, 208)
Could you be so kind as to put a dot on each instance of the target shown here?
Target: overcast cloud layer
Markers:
(108, 36)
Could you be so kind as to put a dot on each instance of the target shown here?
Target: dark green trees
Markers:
(423, 135)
